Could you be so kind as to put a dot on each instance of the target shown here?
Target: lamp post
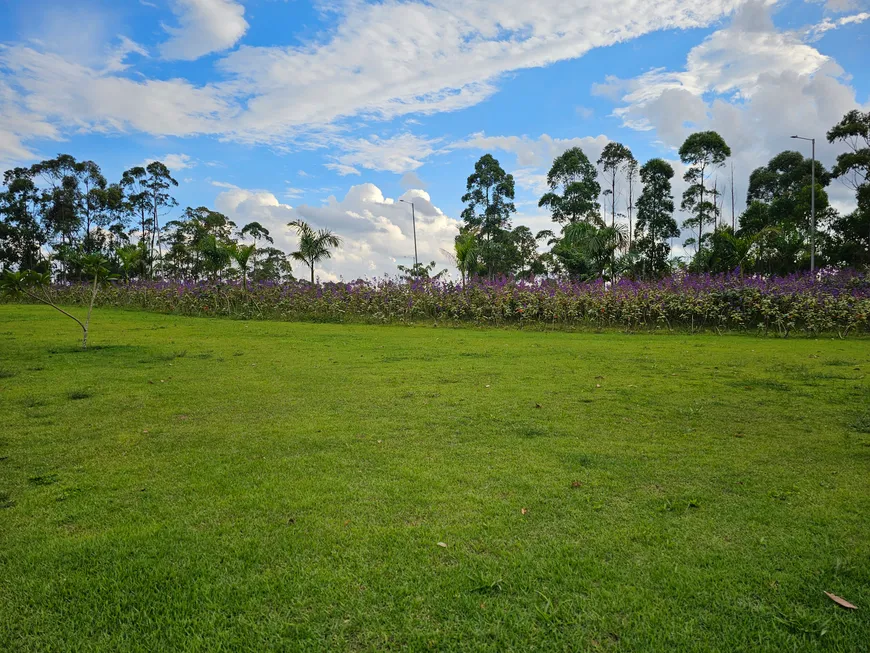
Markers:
(812, 205)
(414, 226)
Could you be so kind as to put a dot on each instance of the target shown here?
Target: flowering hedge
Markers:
(836, 303)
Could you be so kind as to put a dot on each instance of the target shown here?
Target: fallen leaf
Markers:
(576, 484)
(597, 385)
(442, 544)
(523, 511)
(538, 406)
(841, 602)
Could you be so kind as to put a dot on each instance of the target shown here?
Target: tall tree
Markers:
(853, 168)
(489, 205)
(613, 159)
(574, 188)
(783, 188)
(157, 181)
(631, 170)
(314, 246)
(703, 152)
(655, 216)
(21, 234)
(138, 200)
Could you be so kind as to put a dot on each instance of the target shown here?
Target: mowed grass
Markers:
(202, 484)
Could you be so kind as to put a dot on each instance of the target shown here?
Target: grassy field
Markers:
(197, 484)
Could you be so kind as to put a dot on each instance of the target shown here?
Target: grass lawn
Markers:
(202, 484)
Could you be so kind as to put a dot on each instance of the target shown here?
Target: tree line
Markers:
(61, 217)
(612, 218)
(600, 238)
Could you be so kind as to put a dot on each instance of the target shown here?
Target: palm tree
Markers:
(241, 254)
(130, 258)
(466, 254)
(596, 244)
(313, 245)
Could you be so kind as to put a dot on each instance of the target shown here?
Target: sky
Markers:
(333, 111)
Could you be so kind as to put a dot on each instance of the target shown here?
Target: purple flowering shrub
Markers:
(835, 303)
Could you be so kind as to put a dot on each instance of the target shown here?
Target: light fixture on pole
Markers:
(414, 226)
(812, 205)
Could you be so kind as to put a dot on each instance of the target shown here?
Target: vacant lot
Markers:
(196, 484)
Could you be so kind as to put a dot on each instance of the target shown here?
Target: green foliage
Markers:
(615, 157)
(574, 189)
(314, 246)
(703, 152)
(655, 218)
(489, 205)
(420, 271)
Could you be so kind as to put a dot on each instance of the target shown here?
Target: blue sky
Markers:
(331, 111)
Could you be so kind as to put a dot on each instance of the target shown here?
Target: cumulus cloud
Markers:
(412, 180)
(376, 230)
(204, 26)
(753, 84)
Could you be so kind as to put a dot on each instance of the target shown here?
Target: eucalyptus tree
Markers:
(655, 217)
(779, 194)
(489, 205)
(314, 246)
(574, 188)
(853, 169)
(138, 200)
(631, 173)
(21, 234)
(703, 152)
(157, 182)
(614, 158)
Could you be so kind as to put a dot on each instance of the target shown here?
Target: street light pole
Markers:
(414, 227)
(812, 205)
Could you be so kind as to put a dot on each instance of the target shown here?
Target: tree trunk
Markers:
(87, 323)
(312, 272)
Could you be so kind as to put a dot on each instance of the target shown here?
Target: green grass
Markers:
(196, 484)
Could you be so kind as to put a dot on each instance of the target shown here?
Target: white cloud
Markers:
(341, 169)
(534, 152)
(817, 31)
(17, 126)
(399, 154)
(447, 55)
(174, 162)
(755, 85)
(204, 26)
(52, 89)
(376, 230)
(412, 180)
